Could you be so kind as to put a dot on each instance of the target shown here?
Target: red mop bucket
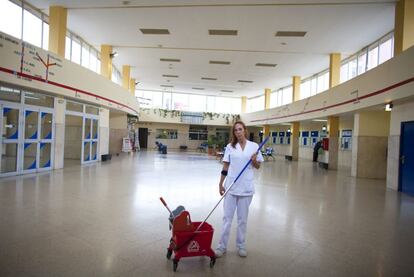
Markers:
(190, 240)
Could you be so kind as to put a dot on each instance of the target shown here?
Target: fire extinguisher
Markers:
(325, 144)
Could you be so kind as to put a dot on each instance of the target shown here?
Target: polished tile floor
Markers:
(106, 220)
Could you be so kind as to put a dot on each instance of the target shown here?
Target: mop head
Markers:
(175, 213)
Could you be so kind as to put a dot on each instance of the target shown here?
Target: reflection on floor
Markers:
(106, 220)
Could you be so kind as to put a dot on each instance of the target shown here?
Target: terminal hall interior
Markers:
(106, 106)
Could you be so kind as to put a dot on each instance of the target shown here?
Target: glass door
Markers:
(38, 140)
(10, 135)
(90, 139)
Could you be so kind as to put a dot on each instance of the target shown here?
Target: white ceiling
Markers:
(332, 26)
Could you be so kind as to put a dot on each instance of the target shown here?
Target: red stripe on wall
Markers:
(345, 102)
(63, 86)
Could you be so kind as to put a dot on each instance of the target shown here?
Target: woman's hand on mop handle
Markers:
(255, 163)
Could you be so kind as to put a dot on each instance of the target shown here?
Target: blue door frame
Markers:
(406, 161)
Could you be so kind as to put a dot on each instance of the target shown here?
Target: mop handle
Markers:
(165, 204)
(238, 176)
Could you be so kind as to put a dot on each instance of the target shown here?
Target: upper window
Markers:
(11, 19)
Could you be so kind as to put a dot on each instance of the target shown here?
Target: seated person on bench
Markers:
(268, 153)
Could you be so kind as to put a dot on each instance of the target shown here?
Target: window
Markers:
(211, 103)
(197, 132)
(76, 51)
(72, 106)
(255, 104)
(305, 89)
(9, 94)
(68, 47)
(323, 82)
(385, 50)
(85, 55)
(32, 29)
(166, 101)
(362, 63)
(197, 103)
(38, 99)
(372, 57)
(92, 110)
(166, 134)
(11, 19)
(45, 42)
(180, 102)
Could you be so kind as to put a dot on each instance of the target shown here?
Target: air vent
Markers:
(155, 31)
(226, 90)
(244, 81)
(166, 86)
(198, 88)
(208, 78)
(222, 32)
(219, 62)
(170, 60)
(290, 34)
(170, 76)
(266, 64)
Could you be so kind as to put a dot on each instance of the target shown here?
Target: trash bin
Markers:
(164, 149)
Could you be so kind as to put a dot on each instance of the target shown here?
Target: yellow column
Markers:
(296, 88)
(106, 62)
(403, 26)
(57, 30)
(294, 140)
(243, 104)
(266, 130)
(132, 86)
(333, 133)
(267, 98)
(126, 70)
(334, 69)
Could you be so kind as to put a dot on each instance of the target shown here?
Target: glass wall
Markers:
(314, 84)
(79, 51)
(188, 102)
(24, 22)
(368, 58)
(255, 104)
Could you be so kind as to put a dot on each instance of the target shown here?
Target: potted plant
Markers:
(211, 143)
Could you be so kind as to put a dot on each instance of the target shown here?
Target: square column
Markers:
(369, 144)
(132, 86)
(296, 88)
(126, 69)
(403, 26)
(106, 61)
(333, 134)
(267, 98)
(334, 69)
(294, 141)
(57, 30)
(243, 104)
(59, 122)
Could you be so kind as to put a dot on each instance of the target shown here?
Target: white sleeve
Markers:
(226, 157)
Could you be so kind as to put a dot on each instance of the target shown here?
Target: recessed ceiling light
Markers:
(170, 60)
(266, 64)
(166, 86)
(283, 43)
(199, 88)
(222, 32)
(208, 78)
(155, 31)
(244, 81)
(170, 76)
(226, 90)
(219, 62)
(290, 34)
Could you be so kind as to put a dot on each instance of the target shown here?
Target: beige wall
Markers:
(375, 124)
(118, 129)
(66, 73)
(393, 72)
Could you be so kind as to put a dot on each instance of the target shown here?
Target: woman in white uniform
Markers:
(237, 154)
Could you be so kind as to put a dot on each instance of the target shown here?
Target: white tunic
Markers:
(238, 158)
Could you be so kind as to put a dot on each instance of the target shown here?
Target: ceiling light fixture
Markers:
(216, 32)
(219, 62)
(154, 31)
(244, 81)
(170, 60)
(290, 34)
(208, 78)
(266, 64)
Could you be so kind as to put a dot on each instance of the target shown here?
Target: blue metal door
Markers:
(407, 158)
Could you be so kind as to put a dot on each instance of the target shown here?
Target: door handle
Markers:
(402, 159)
